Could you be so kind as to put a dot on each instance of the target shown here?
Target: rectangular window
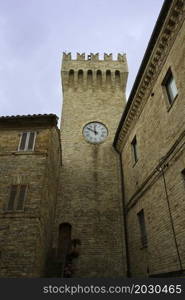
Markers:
(134, 149)
(27, 141)
(170, 86)
(142, 225)
(12, 198)
(17, 197)
(183, 174)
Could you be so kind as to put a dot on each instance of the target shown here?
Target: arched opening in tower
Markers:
(108, 77)
(99, 78)
(117, 78)
(89, 78)
(80, 77)
(71, 78)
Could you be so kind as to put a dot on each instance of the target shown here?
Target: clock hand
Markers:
(91, 129)
(95, 130)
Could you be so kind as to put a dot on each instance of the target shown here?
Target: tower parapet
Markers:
(108, 56)
(80, 56)
(121, 57)
(93, 57)
(89, 71)
(66, 56)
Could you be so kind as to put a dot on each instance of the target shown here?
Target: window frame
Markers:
(166, 84)
(28, 133)
(183, 175)
(16, 199)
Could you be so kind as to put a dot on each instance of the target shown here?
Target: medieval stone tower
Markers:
(89, 207)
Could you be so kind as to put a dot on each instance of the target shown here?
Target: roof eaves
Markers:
(160, 21)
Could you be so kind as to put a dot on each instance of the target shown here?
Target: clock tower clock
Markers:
(90, 201)
(95, 132)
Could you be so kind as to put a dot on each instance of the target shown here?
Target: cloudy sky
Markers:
(34, 33)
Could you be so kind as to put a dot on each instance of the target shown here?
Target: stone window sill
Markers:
(6, 153)
(171, 104)
(18, 214)
(134, 163)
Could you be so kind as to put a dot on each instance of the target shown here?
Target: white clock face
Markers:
(95, 132)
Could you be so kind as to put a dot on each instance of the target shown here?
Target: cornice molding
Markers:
(158, 56)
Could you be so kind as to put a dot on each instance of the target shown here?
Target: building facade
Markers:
(151, 142)
(30, 159)
(111, 202)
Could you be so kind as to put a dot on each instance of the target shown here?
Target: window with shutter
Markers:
(23, 141)
(31, 140)
(21, 197)
(27, 141)
(17, 197)
(12, 198)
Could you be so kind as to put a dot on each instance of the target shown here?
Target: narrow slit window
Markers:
(134, 149)
(27, 141)
(142, 225)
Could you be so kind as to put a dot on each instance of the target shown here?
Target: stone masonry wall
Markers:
(90, 199)
(48, 201)
(158, 128)
(22, 238)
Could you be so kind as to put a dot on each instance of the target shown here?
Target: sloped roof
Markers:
(51, 119)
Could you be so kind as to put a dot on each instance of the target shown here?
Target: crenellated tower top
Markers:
(89, 71)
(92, 57)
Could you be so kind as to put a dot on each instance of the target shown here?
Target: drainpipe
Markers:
(170, 214)
(124, 215)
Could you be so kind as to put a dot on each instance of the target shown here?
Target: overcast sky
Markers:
(34, 33)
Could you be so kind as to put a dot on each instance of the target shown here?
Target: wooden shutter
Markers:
(31, 140)
(23, 141)
(12, 198)
(21, 197)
